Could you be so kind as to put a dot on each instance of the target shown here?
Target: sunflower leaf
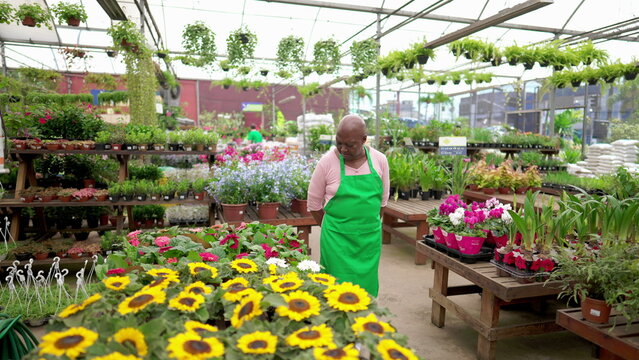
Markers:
(274, 300)
(153, 328)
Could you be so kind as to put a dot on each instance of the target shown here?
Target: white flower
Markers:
(505, 217)
(457, 216)
(492, 202)
(277, 261)
(308, 265)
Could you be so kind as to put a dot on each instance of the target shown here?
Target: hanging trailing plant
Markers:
(420, 53)
(71, 14)
(6, 13)
(587, 54)
(326, 57)
(240, 45)
(39, 78)
(199, 42)
(290, 52)
(140, 72)
(102, 81)
(32, 15)
(364, 57)
(309, 90)
(283, 74)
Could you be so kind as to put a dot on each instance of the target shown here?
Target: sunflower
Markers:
(244, 265)
(186, 302)
(161, 283)
(323, 279)
(237, 293)
(286, 284)
(75, 308)
(238, 280)
(134, 337)
(258, 342)
(71, 343)
(247, 309)
(273, 278)
(191, 346)
(199, 328)
(196, 267)
(313, 336)
(371, 324)
(272, 269)
(163, 272)
(140, 300)
(117, 356)
(347, 297)
(116, 283)
(300, 305)
(198, 287)
(348, 352)
(390, 350)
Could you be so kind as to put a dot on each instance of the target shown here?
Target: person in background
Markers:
(254, 136)
(347, 192)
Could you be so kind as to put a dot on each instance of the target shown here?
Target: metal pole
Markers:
(4, 59)
(273, 121)
(584, 125)
(143, 4)
(305, 151)
(419, 103)
(378, 80)
(197, 101)
(398, 106)
(551, 129)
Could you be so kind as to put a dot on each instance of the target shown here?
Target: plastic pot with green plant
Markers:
(72, 14)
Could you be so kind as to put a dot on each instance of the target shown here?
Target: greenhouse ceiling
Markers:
(613, 25)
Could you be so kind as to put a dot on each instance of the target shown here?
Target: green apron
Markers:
(351, 238)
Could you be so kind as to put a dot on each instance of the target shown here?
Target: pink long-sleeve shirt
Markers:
(326, 177)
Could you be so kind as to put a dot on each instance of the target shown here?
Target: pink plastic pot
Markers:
(470, 244)
(439, 236)
(451, 241)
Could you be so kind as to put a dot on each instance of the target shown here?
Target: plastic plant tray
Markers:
(485, 254)
(521, 276)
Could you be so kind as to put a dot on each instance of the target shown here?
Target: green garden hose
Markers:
(16, 340)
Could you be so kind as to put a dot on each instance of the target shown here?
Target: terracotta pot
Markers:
(488, 191)
(267, 210)
(233, 212)
(46, 198)
(521, 190)
(104, 220)
(53, 147)
(102, 198)
(41, 256)
(65, 198)
(149, 223)
(473, 187)
(75, 255)
(28, 199)
(596, 311)
(28, 21)
(73, 22)
(116, 146)
(295, 205)
(199, 147)
(199, 196)
(504, 190)
(158, 147)
(113, 221)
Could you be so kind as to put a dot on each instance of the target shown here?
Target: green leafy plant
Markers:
(34, 11)
(290, 52)
(126, 36)
(198, 40)
(309, 90)
(6, 13)
(66, 12)
(364, 56)
(326, 57)
(240, 45)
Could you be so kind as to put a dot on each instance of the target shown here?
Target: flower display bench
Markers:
(478, 196)
(617, 342)
(284, 216)
(495, 292)
(407, 213)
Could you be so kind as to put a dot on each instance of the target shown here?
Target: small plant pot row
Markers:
(547, 168)
(502, 190)
(156, 147)
(424, 143)
(158, 197)
(69, 198)
(416, 194)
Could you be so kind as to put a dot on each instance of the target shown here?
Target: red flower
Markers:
(509, 258)
(236, 244)
(172, 260)
(48, 117)
(227, 238)
(165, 249)
(42, 121)
(536, 265)
(115, 271)
(496, 256)
(294, 244)
(520, 263)
(548, 265)
(209, 257)
(241, 255)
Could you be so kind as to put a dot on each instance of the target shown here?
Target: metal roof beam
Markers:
(455, 19)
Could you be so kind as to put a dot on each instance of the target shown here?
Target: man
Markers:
(254, 136)
(348, 189)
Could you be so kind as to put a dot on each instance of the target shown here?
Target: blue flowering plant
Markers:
(300, 170)
(269, 181)
(229, 185)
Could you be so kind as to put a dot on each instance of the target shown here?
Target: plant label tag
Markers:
(241, 212)
(408, 141)
(594, 312)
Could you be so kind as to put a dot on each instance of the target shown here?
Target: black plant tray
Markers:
(484, 254)
(521, 276)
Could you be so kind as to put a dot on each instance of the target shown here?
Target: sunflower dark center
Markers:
(287, 284)
(140, 300)
(116, 284)
(161, 274)
(321, 279)
(235, 288)
(197, 347)
(187, 301)
(200, 330)
(129, 342)
(157, 282)
(309, 335)
(244, 265)
(199, 268)
(246, 309)
(257, 344)
(197, 290)
(374, 327)
(395, 354)
(68, 341)
(348, 298)
(299, 305)
(335, 353)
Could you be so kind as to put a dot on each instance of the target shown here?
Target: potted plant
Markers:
(49, 194)
(32, 15)
(128, 191)
(75, 252)
(126, 36)
(158, 139)
(175, 139)
(168, 191)
(326, 56)
(29, 195)
(142, 189)
(230, 190)
(198, 188)
(182, 189)
(72, 14)
(240, 45)
(84, 194)
(103, 140)
(6, 13)
(115, 190)
(101, 195)
(65, 195)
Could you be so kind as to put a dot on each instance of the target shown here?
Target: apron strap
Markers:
(342, 171)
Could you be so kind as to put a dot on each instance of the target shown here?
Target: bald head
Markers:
(350, 137)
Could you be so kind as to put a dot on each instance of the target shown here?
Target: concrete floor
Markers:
(404, 290)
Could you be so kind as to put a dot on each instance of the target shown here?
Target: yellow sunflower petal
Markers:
(196, 267)
(116, 356)
(323, 279)
(237, 280)
(198, 287)
(237, 293)
(371, 324)
(72, 342)
(133, 336)
(247, 309)
(191, 346)
(347, 297)
(258, 342)
(348, 352)
(141, 300)
(244, 265)
(311, 336)
(390, 350)
(300, 305)
(199, 328)
(286, 284)
(186, 302)
(117, 283)
(163, 272)
(161, 283)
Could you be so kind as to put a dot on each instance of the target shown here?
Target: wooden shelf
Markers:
(14, 203)
(111, 152)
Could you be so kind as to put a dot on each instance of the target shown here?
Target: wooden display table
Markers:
(542, 199)
(411, 213)
(615, 343)
(284, 216)
(495, 292)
